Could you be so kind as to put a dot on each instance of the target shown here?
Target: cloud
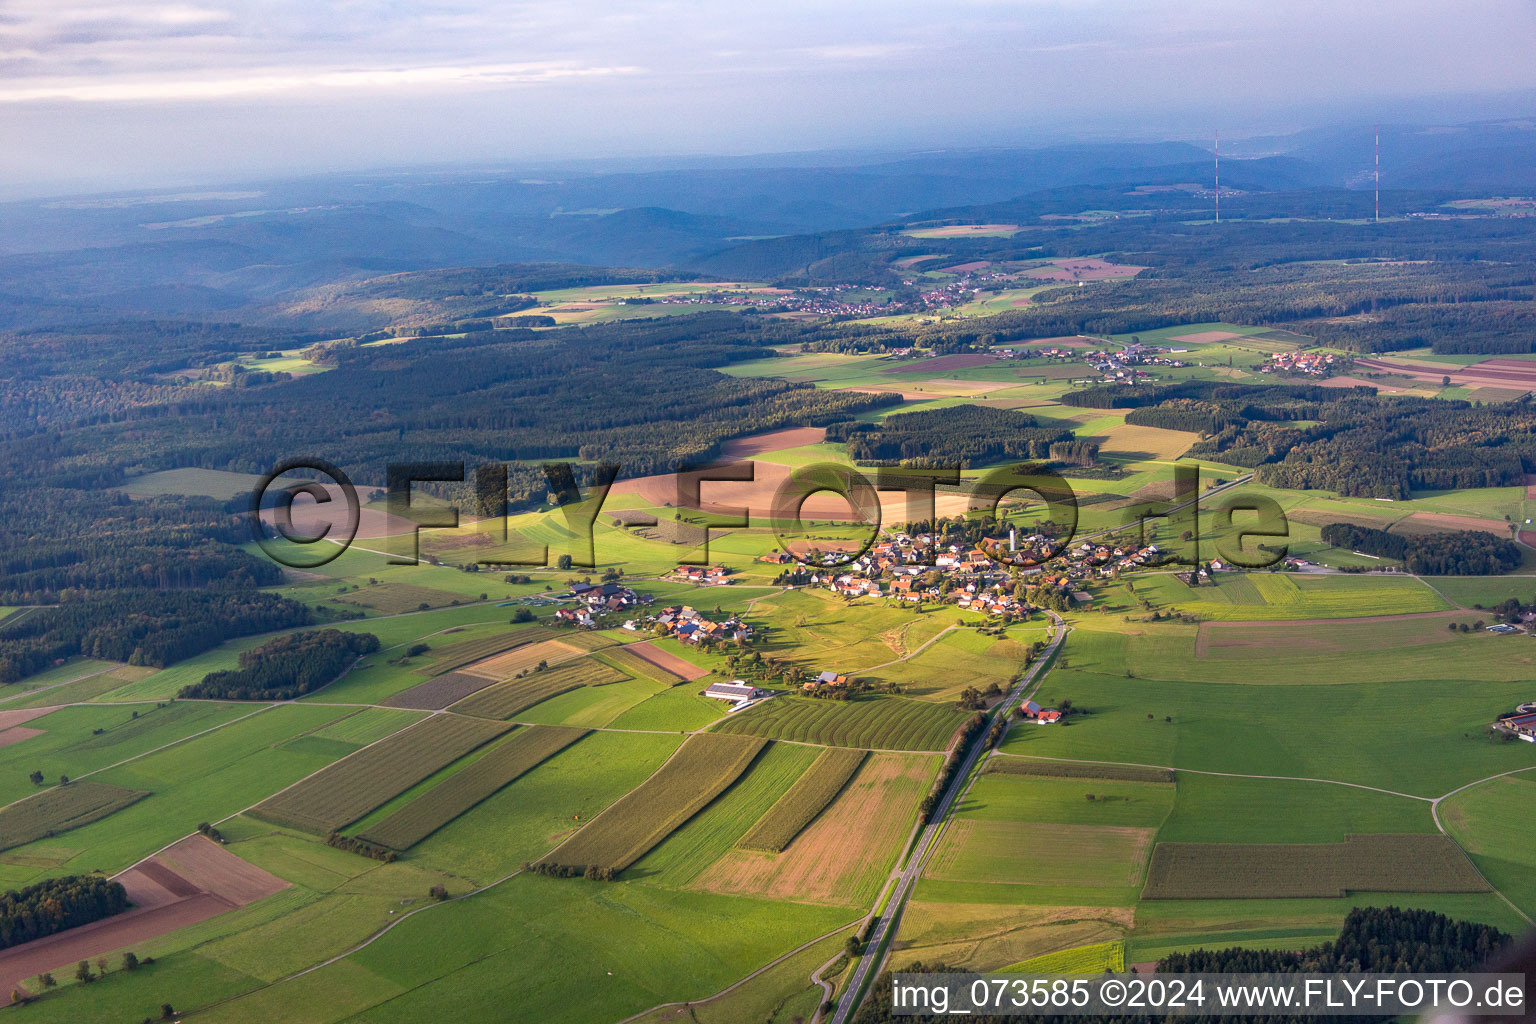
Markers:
(207, 87)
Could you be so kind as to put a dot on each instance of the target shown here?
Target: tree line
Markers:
(1459, 553)
(56, 904)
(286, 667)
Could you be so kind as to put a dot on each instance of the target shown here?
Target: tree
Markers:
(18, 997)
(47, 980)
(63, 780)
(166, 1011)
(83, 972)
(438, 892)
(853, 947)
(130, 961)
(522, 615)
(563, 562)
(36, 777)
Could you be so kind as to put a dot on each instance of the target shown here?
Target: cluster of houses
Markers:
(1110, 559)
(1125, 366)
(922, 567)
(589, 601)
(1315, 364)
(690, 626)
(703, 575)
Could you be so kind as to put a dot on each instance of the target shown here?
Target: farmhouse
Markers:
(737, 691)
(1522, 724)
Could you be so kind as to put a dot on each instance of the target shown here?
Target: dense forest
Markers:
(963, 435)
(54, 540)
(517, 396)
(141, 627)
(56, 904)
(285, 668)
(1463, 553)
(1372, 940)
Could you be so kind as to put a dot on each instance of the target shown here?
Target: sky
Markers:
(98, 94)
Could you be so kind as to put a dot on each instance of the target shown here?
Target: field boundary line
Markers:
(737, 984)
(1229, 775)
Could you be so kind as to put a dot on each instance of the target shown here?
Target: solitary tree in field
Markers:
(47, 979)
(36, 777)
(83, 972)
(130, 961)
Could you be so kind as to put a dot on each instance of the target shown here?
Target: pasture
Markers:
(350, 788)
(873, 723)
(1291, 596)
(1501, 840)
(1370, 863)
(701, 770)
(982, 852)
(519, 753)
(809, 795)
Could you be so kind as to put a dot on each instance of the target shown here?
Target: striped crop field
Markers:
(518, 754)
(872, 723)
(345, 791)
(507, 698)
(810, 794)
(452, 656)
(61, 809)
(1362, 863)
(703, 767)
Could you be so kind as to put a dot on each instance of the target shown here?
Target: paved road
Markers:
(930, 834)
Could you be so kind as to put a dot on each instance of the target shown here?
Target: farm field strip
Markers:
(457, 655)
(1016, 764)
(1362, 863)
(882, 723)
(61, 809)
(343, 792)
(521, 752)
(703, 767)
(807, 798)
(507, 698)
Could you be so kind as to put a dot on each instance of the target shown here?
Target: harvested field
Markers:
(1147, 442)
(872, 723)
(1362, 863)
(11, 719)
(1086, 269)
(844, 855)
(1514, 375)
(521, 659)
(626, 660)
(1206, 337)
(1324, 636)
(965, 268)
(807, 798)
(211, 868)
(518, 754)
(1496, 395)
(17, 733)
(339, 794)
(772, 441)
(1008, 764)
(942, 364)
(962, 230)
(653, 655)
(190, 882)
(631, 517)
(60, 809)
(436, 694)
(703, 767)
(1421, 523)
(1032, 853)
(457, 655)
(512, 696)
